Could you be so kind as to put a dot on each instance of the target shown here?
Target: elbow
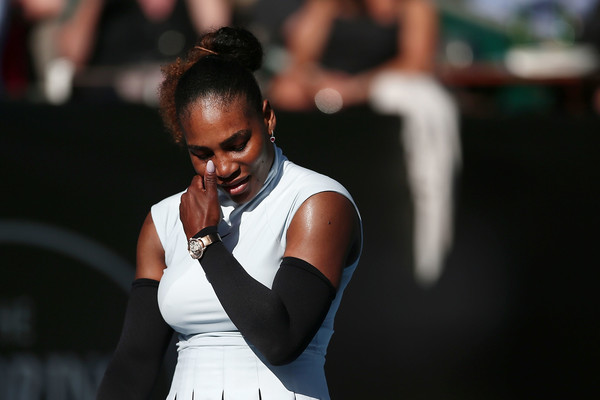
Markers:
(279, 355)
(280, 359)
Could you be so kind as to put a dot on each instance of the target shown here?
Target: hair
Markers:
(220, 68)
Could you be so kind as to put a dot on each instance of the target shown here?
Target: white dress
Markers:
(214, 360)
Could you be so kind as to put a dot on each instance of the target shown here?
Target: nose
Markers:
(226, 169)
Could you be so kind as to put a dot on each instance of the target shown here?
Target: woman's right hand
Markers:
(199, 207)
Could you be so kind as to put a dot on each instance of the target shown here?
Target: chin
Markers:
(240, 198)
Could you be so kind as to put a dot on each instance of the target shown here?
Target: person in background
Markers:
(343, 53)
(19, 22)
(248, 265)
(345, 44)
(113, 49)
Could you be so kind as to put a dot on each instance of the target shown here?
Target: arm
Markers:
(419, 37)
(77, 35)
(324, 232)
(280, 322)
(306, 33)
(136, 361)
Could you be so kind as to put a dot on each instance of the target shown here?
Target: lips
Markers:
(236, 188)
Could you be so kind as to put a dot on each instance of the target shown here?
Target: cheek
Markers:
(255, 158)
(263, 166)
(262, 160)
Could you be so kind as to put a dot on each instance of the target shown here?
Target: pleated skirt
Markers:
(226, 367)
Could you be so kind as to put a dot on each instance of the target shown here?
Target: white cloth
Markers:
(214, 359)
(431, 141)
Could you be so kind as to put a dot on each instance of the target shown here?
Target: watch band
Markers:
(209, 239)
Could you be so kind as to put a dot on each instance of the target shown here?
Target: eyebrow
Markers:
(225, 143)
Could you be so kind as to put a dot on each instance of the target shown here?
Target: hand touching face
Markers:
(235, 142)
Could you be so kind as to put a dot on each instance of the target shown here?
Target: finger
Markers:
(210, 177)
(197, 183)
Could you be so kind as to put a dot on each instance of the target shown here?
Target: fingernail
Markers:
(210, 167)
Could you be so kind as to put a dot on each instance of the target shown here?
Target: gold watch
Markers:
(197, 245)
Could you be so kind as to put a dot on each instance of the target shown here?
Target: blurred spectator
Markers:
(382, 52)
(17, 20)
(343, 44)
(113, 49)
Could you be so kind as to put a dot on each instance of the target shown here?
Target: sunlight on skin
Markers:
(210, 108)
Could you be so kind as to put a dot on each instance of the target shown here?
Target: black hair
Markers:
(220, 68)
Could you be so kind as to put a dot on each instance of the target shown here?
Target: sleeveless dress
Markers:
(214, 360)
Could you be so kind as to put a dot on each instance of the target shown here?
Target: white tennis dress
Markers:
(214, 360)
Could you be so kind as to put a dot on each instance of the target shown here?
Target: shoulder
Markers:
(298, 184)
(319, 193)
(314, 195)
(328, 205)
(305, 181)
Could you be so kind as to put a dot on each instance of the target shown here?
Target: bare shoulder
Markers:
(150, 253)
(330, 208)
(325, 232)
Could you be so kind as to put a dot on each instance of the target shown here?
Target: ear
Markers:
(269, 116)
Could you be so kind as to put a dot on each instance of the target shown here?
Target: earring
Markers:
(272, 138)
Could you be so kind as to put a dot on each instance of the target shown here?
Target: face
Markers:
(236, 139)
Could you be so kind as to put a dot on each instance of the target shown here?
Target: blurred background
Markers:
(466, 130)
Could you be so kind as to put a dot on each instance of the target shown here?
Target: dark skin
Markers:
(229, 148)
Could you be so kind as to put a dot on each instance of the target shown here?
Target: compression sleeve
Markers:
(280, 322)
(138, 356)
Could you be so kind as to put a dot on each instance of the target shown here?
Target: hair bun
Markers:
(235, 43)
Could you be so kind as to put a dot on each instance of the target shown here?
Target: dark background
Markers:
(514, 315)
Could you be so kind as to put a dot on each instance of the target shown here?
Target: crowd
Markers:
(62, 50)
(319, 55)
(324, 55)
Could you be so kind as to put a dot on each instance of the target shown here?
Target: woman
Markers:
(248, 264)
(345, 44)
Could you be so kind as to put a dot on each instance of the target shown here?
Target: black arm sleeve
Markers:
(137, 359)
(280, 322)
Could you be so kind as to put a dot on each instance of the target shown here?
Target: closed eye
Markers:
(240, 147)
(201, 155)
(238, 141)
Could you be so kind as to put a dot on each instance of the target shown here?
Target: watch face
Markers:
(196, 248)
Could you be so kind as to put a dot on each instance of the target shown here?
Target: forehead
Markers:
(212, 107)
(210, 119)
